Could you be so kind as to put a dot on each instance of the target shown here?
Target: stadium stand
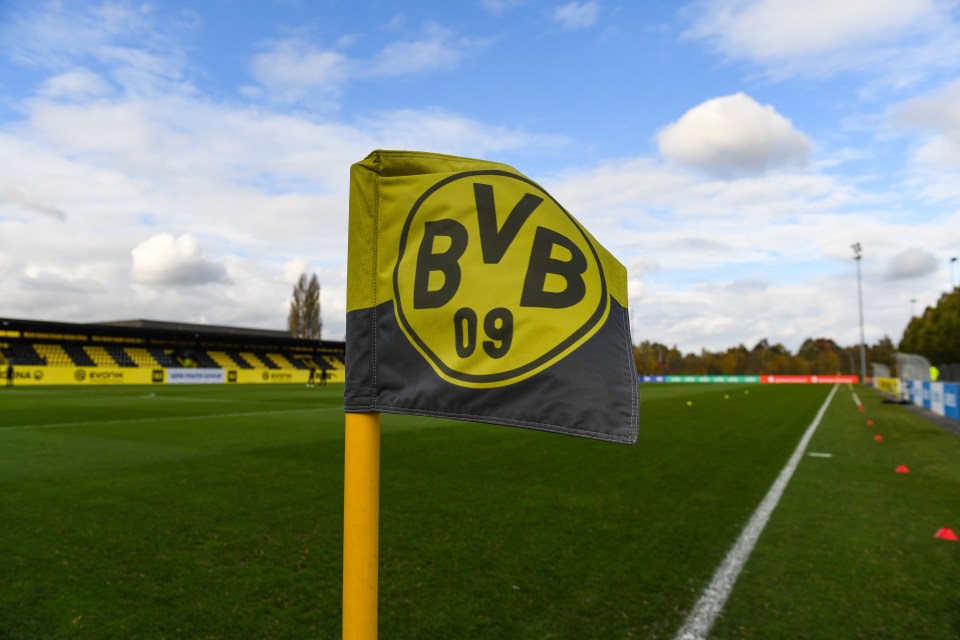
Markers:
(335, 360)
(23, 353)
(282, 361)
(78, 356)
(255, 361)
(141, 357)
(223, 359)
(164, 357)
(53, 355)
(196, 358)
(148, 344)
(239, 359)
(99, 356)
(296, 362)
(306, 362)
(120, 355)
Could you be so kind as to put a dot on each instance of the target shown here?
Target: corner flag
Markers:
(472, 294)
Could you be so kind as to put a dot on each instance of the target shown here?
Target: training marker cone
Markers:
(946, 534)
(878, 437)
(903, 469)
(870, 422)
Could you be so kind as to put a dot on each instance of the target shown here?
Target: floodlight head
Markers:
(856, 250)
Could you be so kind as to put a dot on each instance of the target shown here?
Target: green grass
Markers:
(850, 552)
(216, 512)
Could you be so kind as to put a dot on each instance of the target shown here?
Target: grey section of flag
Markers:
(592, 393)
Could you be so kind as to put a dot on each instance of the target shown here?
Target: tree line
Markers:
(936, 334)
(820, 356)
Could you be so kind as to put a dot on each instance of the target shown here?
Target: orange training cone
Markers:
(903, 469)
(870, 422)
(946, 534)
(878, 437)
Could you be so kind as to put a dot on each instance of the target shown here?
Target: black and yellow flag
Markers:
(473, 294)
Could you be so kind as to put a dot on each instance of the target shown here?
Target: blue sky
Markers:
(186, 161)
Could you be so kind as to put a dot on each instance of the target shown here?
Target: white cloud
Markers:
(765, 29)
(912, 263)
(16, 199)
(293, 268)
(734, 136)
(715, 262)
(937, 116)
(116, 127)
(436, 50)
(292, 70)
(897, 38)
(642, 202)
(163, 259)
(577, 15)
(267, 189)
(451, 133)
(76, 84)
(118, 35)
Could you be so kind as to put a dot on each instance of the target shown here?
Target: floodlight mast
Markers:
(863, 348)
(953, 277)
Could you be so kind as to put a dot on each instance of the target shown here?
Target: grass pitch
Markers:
(216, 512)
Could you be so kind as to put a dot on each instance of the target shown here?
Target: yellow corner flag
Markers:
(472, 294)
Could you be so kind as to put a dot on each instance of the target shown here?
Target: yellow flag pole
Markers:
(361, 525)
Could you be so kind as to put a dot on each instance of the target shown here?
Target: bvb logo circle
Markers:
(494, 280)
(79, 375)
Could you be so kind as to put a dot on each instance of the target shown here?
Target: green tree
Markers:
(821, 356)
(304, 318)
(882, 352)
(936, 334)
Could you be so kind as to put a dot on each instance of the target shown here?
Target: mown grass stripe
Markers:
(711, 602)
(208, 416)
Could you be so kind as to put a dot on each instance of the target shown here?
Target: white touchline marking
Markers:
(856, 398)
(814, 454)
(714, 597)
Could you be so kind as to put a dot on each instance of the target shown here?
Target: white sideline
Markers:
(856, 398)
(714, 597)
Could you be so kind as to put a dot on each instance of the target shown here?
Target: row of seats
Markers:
(68, 354)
